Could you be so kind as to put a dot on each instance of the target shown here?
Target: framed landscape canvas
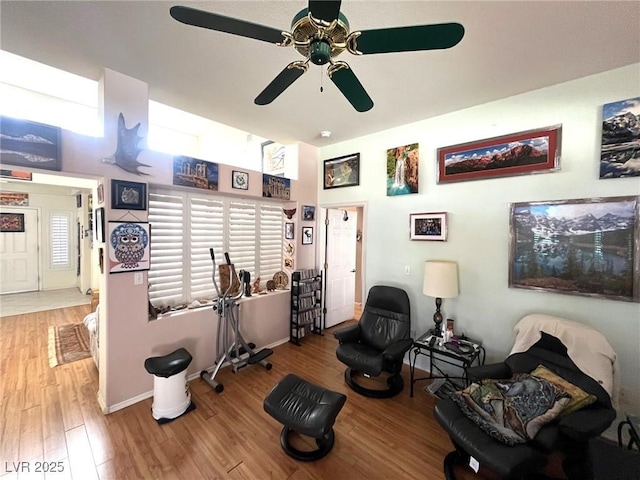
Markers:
(533, 151)
(193, 172)
(581, 247)
(342, 171)
(620, 152)
(402, 170)
(276, 187)
(29, 144)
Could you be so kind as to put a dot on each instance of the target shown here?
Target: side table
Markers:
(439, 354)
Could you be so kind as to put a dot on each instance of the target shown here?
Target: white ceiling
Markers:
(508, 48)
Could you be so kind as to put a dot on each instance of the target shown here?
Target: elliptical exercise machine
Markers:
(231, 346)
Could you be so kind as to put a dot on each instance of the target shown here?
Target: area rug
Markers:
(68, 343)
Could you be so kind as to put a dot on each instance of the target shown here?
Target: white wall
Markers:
(478, 214)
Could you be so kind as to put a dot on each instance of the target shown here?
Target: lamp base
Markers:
(437, 319)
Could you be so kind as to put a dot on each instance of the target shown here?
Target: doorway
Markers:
(342, 253)
(19, 266)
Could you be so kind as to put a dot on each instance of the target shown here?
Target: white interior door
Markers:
(19, 254)
(341, 266)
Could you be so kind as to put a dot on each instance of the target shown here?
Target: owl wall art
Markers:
(130, 247)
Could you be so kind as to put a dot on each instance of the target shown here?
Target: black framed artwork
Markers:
(240, 180)
(289, 231)
(128, 195)
(307, 235)
(12, 222)
(30, 144)
(342, 171)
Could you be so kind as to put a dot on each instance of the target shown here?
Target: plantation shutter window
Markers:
(60, 254)
(242, 236)
(207, 231)
(270, 253)
(185, 225)
(166, 277)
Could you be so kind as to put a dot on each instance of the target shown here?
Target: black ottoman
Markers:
(307, 409)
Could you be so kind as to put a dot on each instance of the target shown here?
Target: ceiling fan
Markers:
(320, 33)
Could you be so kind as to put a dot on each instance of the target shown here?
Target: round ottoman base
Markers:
(325, 445)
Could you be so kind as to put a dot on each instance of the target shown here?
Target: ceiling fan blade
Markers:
(408, 39)
(220, 23)
(352, 89)
(324, 10)
(279, 84)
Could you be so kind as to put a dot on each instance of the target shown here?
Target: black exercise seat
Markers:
(168, 365)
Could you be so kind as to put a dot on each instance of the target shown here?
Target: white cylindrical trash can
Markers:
(171, 395)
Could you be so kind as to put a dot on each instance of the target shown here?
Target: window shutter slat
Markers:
(185, 225)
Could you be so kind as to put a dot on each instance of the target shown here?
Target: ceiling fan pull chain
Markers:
(321, 79)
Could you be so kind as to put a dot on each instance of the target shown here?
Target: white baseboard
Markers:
(143, 396)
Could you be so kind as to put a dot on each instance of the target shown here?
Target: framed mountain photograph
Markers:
(533, 151)
(581, 247)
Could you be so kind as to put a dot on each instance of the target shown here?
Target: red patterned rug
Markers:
(68, 343)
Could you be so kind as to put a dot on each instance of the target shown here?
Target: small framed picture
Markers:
(307, 235)
(12, 222)
(289, 231)
(239, 180)
(428, 226)
(99, 226)
(128, 195)
(100, 194)
(308, 212)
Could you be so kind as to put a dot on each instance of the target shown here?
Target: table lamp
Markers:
(440, 281)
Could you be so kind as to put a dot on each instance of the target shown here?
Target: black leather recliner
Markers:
(568, 435)
(378, 342)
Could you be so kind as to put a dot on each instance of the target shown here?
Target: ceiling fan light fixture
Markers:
(320, 53)
(320, 33)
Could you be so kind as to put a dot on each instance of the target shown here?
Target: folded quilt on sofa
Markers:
(512, 410)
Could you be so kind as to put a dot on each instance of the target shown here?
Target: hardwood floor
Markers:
(51, 415)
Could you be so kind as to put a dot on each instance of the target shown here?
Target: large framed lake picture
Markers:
(581, 247)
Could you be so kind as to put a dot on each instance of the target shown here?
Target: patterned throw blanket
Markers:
(512, 410)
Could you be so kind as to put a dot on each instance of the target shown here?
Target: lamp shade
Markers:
(440, 279)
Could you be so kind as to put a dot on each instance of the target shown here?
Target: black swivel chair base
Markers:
(395, 385)
(325, 444)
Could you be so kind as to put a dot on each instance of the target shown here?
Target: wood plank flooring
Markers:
(50, 419)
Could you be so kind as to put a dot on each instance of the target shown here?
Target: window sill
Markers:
(253, 297)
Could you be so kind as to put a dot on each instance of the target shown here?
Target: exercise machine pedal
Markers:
(259, 356)
(242, 350)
